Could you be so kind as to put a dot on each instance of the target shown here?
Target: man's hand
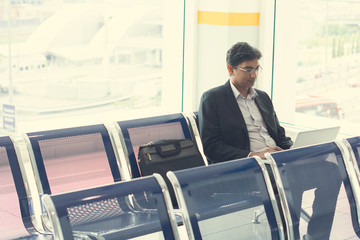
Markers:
(268, 149)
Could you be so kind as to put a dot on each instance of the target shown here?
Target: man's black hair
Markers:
(241, 52)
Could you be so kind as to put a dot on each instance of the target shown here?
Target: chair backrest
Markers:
(14, 204)
(310, 179)
(136, 132)
(354, 143)
(69, 159)
(196, 117)
(219, 201)
(99, 212)
(194, 130)
(73, 158)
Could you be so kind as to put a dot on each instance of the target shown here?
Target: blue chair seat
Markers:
(218, 204)
(311, 178)
(226, 192)
(128, 225)
(100, 211)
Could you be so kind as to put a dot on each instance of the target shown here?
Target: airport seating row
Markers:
(84, 183)
(62, 160)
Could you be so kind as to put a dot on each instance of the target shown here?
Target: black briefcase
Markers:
(168, 155)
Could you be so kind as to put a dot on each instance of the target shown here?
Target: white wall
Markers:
(212, 41)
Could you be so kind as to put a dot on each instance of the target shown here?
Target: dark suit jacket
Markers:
(222, 127)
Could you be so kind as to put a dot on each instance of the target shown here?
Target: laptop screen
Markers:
(316, 136)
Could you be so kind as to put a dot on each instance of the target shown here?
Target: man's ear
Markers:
(230, 69)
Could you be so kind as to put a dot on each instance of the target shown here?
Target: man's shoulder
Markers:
(217, 90)
(261, 93)
(258, 91)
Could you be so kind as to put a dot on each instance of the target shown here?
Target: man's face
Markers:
(241, 75)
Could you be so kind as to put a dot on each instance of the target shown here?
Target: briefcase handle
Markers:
(170, 152)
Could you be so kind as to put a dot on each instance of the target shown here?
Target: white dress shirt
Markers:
(258, 133)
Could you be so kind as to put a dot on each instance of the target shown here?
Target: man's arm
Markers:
(215, 148)
(283, 141)
(269, 115)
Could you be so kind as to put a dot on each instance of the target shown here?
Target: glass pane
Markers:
(84, 57)
(317, 58)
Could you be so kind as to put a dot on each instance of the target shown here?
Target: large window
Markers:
(90, 60)
(317, 62)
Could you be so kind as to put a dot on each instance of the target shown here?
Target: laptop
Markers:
(316, 136)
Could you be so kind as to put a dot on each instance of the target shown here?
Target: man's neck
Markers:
(243, 92)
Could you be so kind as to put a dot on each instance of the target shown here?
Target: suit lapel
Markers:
(266, 115)
(232, 104)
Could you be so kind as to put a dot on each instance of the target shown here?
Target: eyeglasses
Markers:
(250, 70)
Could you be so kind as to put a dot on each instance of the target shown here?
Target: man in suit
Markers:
(237, 121)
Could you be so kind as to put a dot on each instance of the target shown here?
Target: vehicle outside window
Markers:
(319, 106)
